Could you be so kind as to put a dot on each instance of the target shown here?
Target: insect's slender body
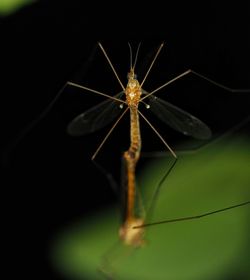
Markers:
(129, 235)
(132, 230)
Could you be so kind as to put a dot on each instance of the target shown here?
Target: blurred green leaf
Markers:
(10, 6)
(214, 247)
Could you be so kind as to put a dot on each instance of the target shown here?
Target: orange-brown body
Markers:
(129, 235)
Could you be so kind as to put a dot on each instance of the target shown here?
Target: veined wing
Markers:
(179, 119)
(95, 118)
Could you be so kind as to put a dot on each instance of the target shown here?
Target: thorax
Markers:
(133, 91)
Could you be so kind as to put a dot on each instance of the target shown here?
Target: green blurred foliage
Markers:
(214, 247)
(10, 6)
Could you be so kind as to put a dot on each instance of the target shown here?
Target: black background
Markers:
(48, 178)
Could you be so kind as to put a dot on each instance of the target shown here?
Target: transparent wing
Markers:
(95, 118)
(178, 119)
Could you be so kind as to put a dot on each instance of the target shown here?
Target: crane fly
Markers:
(129, 99)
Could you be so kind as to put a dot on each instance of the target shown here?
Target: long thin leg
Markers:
(158, 134)
(167, 83)
(111, 65)
(108, 134)
(95, 91)
(160, 154)
(113, 259)
(113, 184)
(218, 84)
(158, 189)
(195, 217)
(198, 75)
(5, 157)
(152, 63)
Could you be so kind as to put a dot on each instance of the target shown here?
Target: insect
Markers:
(132, 230)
